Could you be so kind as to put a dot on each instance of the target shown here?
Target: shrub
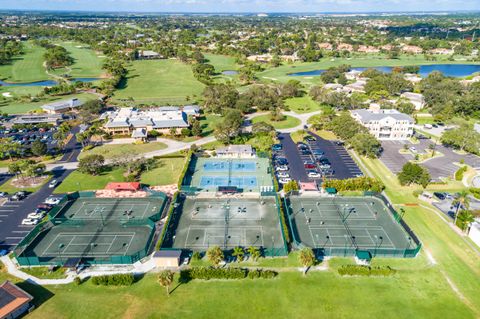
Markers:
(167, 222)
(356, 184)
(283, 220)
(475, 192)
(262, 274)
(185, 170)
(114, 280)
(460, 172)
(358, 270)
(77, 281)
(207, 273)
(196, 256)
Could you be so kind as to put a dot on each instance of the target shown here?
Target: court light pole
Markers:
(346, 242)
(379, 240)
(60, 246)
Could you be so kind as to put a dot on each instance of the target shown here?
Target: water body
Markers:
(47, 82)
(230, 72)
(453, 70)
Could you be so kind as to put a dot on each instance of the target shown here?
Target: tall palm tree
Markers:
(238, 253)
(464, 219)
(307, 258)
(254, 252)
(215, 255)
(462, 200)
(165, 279)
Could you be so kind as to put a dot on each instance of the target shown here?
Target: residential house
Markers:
(368, 49)
(442, 51)
(325, 46)
(149, 55)
(412, 49)
(62, 106)
(236, 151)
(263, 58)
(14, 301)
(413, 78)
(358, 86)
(345, 47)
(126, 121)
(417, 99)
(387, 124)
(353, 74)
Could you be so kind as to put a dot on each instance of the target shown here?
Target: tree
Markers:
(290, 186)
(229, 127)
(262, 127)
(165, 279)
(9, 147)
(219, 97)
(366, 144)
(91, 164)
(254, 252)
(461, 201)
(307, 258)
(39, 148)
(238, 253)
(196, 127)
(464, 138)
(413, 173)
(215, 255)
(464, 219)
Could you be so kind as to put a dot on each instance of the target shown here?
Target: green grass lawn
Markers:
(44, 273)
(110, 151)
(27, 67)
(87, 63)
(303, 104)
(17, 107)
(167, 172)
(159, 82)
(78, 181)
(288, 122)
(221, 62)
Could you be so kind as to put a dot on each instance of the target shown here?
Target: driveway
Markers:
(439, 167)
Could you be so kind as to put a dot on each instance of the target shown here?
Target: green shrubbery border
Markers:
(363, 183)
(359, 270)
(167, 222)
(230, 273)
(286, 229)
(460, 172)
(113, 280)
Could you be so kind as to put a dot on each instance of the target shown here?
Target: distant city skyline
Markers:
(244, 6)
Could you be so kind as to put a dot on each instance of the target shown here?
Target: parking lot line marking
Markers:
(14, 237)
(20, 231)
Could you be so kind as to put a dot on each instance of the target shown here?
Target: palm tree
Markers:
(254, 252)
(165, 279)
(462, 200)
(307, 258)
(238, 253)
(464, 219)
(215, 255)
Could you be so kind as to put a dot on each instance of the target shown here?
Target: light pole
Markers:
(379, 240)
(60, 246)
(346, 242)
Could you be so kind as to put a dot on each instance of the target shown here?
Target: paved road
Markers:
(295, 163)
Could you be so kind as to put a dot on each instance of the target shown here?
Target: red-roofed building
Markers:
(14, 302)
(123, 186)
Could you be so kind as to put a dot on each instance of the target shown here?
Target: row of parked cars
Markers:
(280, 163)
(15, 197)
(36, 216)
(315, 162)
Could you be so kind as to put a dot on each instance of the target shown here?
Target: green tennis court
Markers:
(199, 223)
(344, 225)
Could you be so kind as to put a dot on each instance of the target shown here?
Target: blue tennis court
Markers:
(224, 166)
(215, 181)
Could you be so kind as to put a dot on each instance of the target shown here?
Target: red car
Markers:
(310, 166)
(44, 206)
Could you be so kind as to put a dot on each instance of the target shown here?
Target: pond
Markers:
(454, 70)
(230, 72)
(47, 82)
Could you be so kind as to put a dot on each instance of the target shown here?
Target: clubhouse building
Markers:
(386, 124)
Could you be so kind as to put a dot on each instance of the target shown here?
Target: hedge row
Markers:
(459, 173)
(356, 184)
(358, 270)
(207, 273)
(114, 280)
(185, 169)
(167, 222)
(283, 220)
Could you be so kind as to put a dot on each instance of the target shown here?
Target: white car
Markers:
(283, 175)
(29, 221)
(413, 149)
(284, 180)
(314, 174)
(52, 184)
(282, 168)
(52, 200)
(35, 215)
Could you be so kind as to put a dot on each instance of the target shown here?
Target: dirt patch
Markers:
(28, 182)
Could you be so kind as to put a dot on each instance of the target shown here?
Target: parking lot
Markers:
(26, 136)
(314, 159)
(447, 206)
(439, 167)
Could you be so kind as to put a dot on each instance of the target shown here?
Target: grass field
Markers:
(78, 181)
(88, 64)
(27, 67)
(221, 62)
(18, 107)
(288, 122)
(160, 82)
(166, 172)
(110, 151)
(281, 73)
(303, 104)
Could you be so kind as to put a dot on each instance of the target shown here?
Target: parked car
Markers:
(305, 152)
(309, 166)
(281, 161)
(428, 126)
(53, 183)
(277, 147)
(314, 174)
(325, 166)
(52, 200)
(284, 180)
(18, 196)
(283, 175)
(29, 221)
(36, 215)
(45, 207)
(310, 138)
(318, 152)
(308, 162)
(282, 168)
(440, 196)
(3, 194)
(413, 149)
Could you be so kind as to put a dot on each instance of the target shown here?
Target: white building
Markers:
(236, 151)
(386, 124)
(474, 233)
(62, 106)
(416, 99)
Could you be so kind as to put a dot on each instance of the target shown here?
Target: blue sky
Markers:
(243, 5)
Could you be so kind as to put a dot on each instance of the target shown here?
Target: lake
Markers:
(454, 70)
(47, 82)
